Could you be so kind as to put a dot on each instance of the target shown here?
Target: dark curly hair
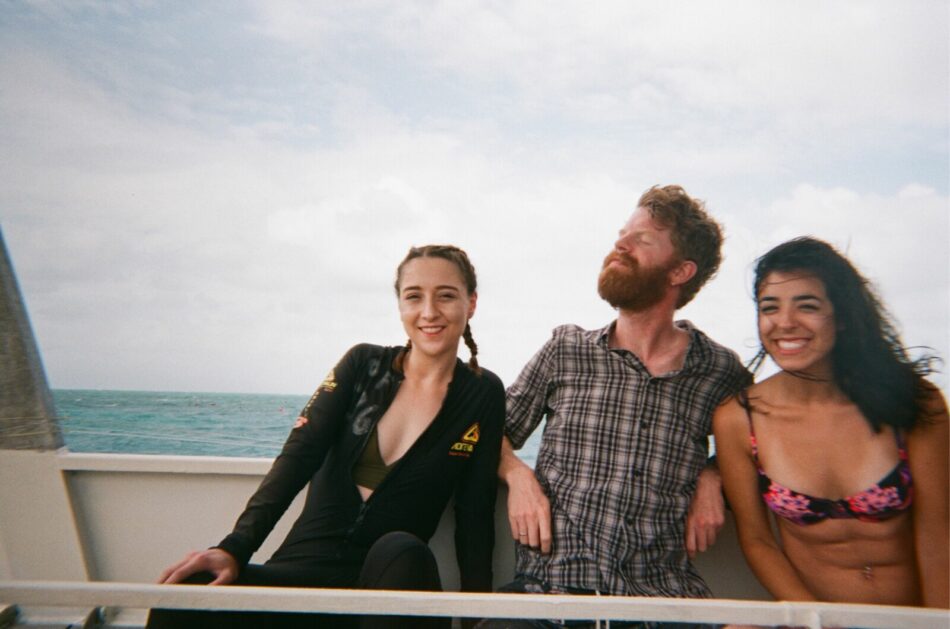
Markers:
(869, 362)
(695, 235)
(460, 259)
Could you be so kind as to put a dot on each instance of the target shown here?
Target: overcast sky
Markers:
(213, 196)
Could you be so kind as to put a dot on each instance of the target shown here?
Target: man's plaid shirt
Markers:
(619, 458)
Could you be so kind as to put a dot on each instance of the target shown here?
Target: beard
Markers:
(633, 287)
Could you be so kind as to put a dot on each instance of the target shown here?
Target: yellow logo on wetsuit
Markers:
(466, 446)
(471, 435)
(328, 385)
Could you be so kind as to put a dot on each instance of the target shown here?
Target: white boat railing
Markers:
(453, 604)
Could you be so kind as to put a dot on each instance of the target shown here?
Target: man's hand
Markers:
(529, 511)
(214, 560)
(707, 512)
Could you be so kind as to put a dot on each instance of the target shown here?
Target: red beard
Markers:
(632, 287)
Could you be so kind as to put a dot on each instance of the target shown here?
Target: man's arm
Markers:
(529, 511)
(707, 511)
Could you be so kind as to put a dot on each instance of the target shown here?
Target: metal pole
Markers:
(27, 415)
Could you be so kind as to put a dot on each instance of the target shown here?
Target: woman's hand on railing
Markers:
(214, 560)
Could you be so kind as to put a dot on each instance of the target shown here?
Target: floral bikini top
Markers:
(887, 498)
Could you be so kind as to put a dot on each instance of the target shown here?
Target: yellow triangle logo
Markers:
(329, 383)
(471, 436)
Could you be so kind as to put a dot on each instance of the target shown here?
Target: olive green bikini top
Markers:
(370, 470)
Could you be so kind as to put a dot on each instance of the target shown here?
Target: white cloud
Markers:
(821, 64)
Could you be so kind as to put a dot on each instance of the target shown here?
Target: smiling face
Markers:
(796, 322)
(434, 305)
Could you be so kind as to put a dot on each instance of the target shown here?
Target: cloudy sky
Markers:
(213, 196)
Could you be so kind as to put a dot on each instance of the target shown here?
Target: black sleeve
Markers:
(302, 455)
(476, 494)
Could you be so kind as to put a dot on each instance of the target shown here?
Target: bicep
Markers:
(927, 452)
(739, 474)
(526, 397)
(318, 426)
(326, 409)
(927, 446)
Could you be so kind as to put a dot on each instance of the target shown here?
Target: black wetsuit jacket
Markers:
(457, 454)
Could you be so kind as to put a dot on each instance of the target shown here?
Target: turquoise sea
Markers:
(155, 422)
(209, 424)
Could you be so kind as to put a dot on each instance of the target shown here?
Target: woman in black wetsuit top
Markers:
(388, 437)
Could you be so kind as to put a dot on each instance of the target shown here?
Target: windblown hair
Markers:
(869, 362)
(695, 235)
(460, 259)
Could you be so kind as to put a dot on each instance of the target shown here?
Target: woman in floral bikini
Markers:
(847, 445)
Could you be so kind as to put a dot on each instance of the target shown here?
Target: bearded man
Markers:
(628, 408)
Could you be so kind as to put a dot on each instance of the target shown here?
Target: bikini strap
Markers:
(743, 398)
(901, 444)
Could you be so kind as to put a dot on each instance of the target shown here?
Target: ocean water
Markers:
(203, 424)
(156, 422)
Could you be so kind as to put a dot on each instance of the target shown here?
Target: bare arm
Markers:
(529, 511)
(739, 477)
(707, 511)
(927, 452)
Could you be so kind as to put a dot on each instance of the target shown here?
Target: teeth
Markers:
(789, 345)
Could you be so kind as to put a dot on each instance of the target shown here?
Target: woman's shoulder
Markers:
(735, 410)
(761, 394)
(491, 379)
(367, 360)
(484, 380)
(933, 418)
(731, 426)
(932, 401)
(731, 411)
(369, 351)
(372, 349)
(741, 400)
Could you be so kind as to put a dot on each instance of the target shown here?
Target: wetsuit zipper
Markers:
(365, 504)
